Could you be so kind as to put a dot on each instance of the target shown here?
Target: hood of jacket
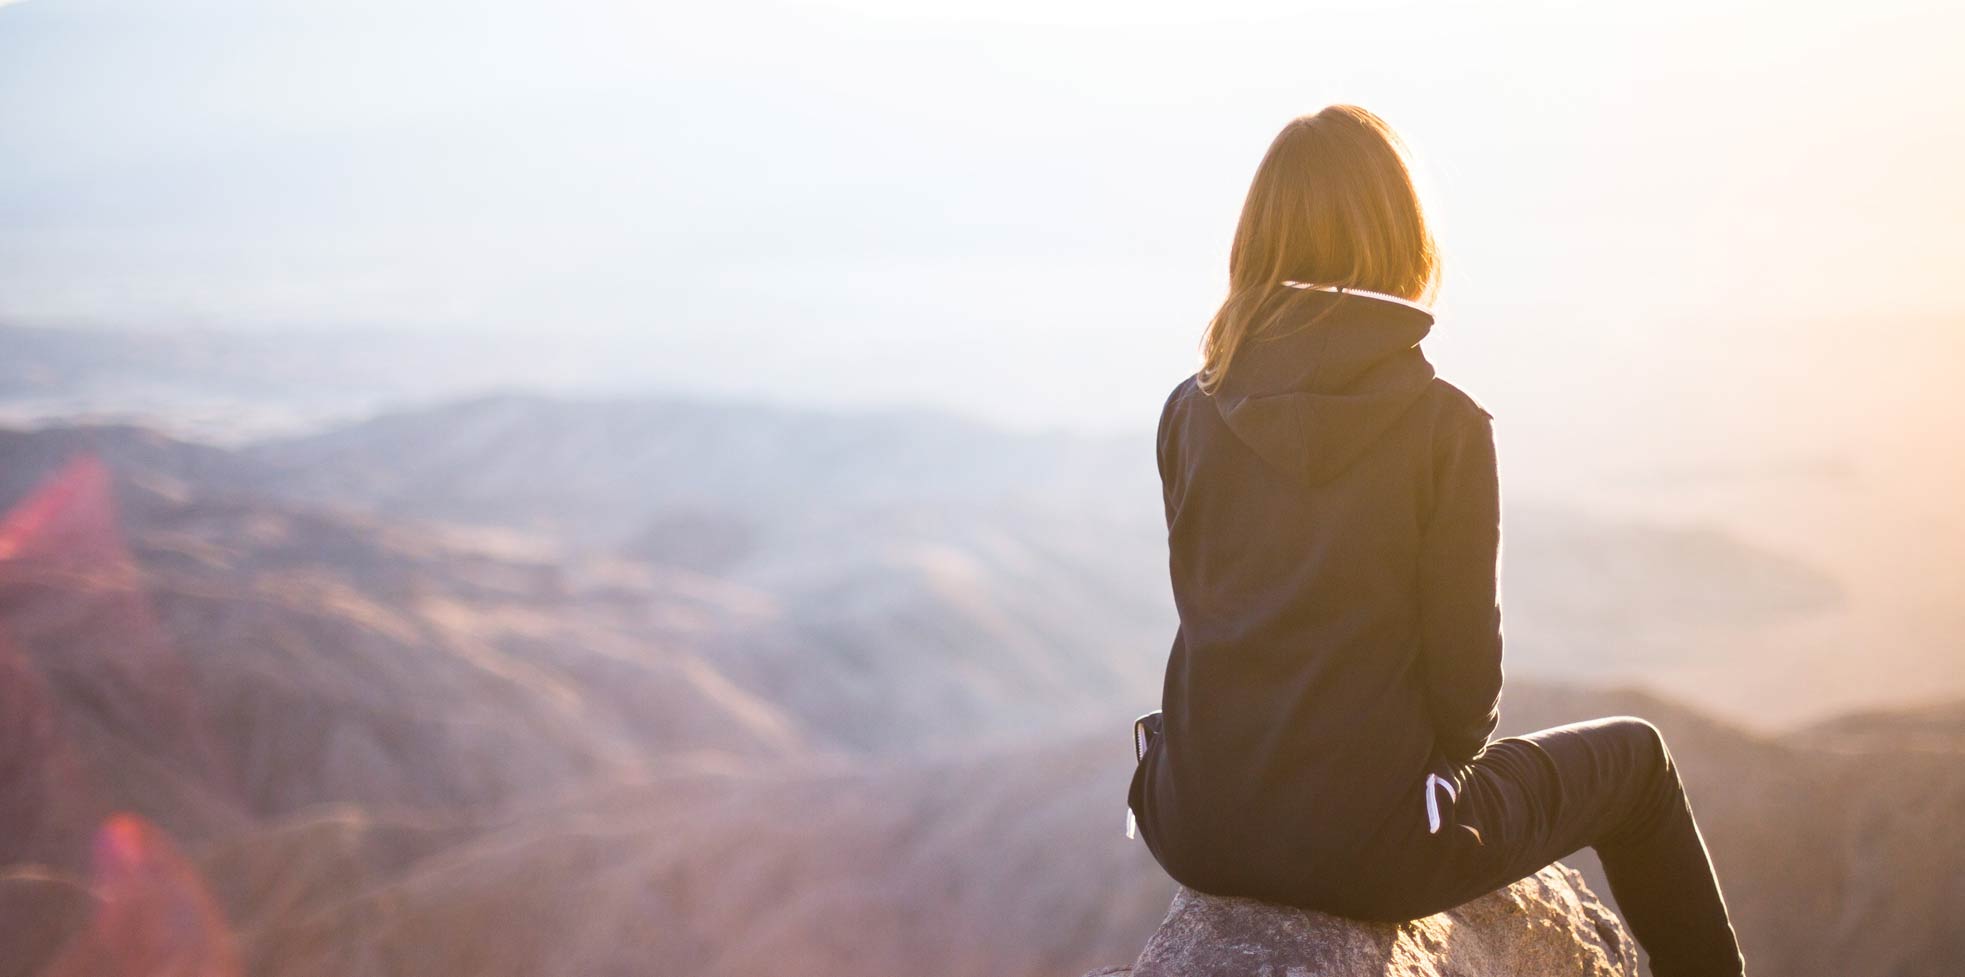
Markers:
(1327, 375)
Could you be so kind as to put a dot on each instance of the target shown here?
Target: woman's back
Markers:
(1334, 534)
(1324, 665)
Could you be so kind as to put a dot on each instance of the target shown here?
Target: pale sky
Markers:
(1701, 258)
(1015, 209)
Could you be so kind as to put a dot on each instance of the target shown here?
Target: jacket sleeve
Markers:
(1459, 592)
(1163, 451)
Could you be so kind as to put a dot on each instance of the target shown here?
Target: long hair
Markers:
(1332, 205)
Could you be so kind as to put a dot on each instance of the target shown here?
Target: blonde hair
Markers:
(1332, 205)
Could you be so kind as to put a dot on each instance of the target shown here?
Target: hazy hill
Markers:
(1937, 729)
(1833, 862)
(1004, 862)
(1037, 562)
(273, 657)
(1042, 553)
(416, 713)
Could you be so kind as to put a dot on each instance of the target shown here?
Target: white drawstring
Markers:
(1355, 291)
(1433, 804)
(1139, 755)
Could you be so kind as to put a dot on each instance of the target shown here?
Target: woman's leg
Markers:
(1609, 784)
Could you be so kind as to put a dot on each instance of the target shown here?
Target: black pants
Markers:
(1608, 784)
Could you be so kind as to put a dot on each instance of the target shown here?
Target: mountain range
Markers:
(527, 685)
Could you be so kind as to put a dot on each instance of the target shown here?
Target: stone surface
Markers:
(1545, 925)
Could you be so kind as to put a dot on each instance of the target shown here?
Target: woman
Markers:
(1333, 522)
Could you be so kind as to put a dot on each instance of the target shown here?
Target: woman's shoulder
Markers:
(1458, 400)
(1456, 406)
(1186, 388)
(1189, 385)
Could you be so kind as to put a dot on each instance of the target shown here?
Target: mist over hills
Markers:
(1684, 459)
(529, 685)
(327, 657)
(802, 502)
(870, 530)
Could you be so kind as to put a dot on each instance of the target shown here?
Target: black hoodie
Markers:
(1333, 526)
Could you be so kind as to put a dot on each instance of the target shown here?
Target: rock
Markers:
(1547, 924)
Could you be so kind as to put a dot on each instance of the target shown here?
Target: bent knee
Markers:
(1645, 739)
(1635, 726)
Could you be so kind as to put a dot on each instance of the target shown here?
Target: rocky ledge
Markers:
(1546, 925)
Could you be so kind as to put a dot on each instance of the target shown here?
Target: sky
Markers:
(1701, 258)
(1018, 210)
